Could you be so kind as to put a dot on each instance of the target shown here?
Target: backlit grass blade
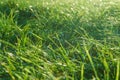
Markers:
(91, 61)
(82, 72)
(118, 70)
(7, 43)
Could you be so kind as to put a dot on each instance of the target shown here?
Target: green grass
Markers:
(59, 40)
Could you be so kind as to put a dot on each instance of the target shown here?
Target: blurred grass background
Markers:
(59, 40)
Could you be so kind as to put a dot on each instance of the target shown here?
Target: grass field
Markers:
(59, 40)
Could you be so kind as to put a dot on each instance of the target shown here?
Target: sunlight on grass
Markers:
(59, 40)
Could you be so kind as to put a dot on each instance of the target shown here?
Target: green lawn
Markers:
(59, 40)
